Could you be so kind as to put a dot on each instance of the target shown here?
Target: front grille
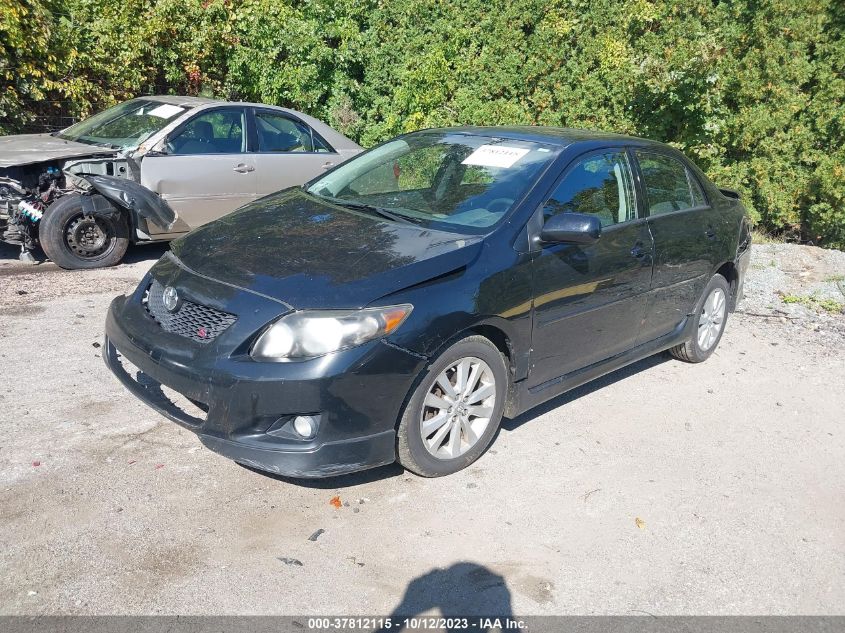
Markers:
(191, 320)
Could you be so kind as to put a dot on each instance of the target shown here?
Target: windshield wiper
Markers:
(390, 215)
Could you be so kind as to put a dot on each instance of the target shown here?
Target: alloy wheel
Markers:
(712, 319)
(457, 408)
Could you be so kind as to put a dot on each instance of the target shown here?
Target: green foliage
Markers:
(816, 303)
(29, 67)
(753, 90)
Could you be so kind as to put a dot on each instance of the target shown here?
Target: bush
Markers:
(752, 89)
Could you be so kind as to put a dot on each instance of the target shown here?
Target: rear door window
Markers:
(278, 133)
(669, 184)
(698, 199)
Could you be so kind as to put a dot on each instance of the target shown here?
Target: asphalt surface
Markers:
(664, 488)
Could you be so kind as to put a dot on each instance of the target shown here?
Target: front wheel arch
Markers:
(408, 447)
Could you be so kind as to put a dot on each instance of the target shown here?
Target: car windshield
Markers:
(124, 126)
(452, 181)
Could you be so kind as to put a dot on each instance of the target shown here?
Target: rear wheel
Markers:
(74, 240)
(455, 410)
(711, 314)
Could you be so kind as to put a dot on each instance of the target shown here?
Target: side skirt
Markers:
(524, 398)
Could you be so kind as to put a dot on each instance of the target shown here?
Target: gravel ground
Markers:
(802, 286)
(664, 488)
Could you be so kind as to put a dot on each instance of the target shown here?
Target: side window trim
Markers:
(184, 124)
(287, 115)
(690, 173)
(252, 131)
(639, 183)
(576, 160)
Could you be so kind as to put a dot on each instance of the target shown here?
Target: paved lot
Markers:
(666, 489)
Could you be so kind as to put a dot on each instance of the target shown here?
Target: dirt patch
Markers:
(24, 310)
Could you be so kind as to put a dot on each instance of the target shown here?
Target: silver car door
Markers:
(206, 171)
(289, 152)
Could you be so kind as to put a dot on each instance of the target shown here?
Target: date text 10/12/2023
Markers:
(417, 623)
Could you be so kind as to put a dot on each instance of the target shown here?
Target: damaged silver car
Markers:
(152, 169)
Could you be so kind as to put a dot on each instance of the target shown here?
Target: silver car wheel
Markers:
(712, 319)
(457, 408)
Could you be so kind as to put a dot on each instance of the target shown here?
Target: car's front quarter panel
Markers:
(494, 291)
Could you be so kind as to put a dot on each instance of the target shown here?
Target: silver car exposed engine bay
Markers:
(27, 191)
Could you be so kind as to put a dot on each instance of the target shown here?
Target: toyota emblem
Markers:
(171, 299)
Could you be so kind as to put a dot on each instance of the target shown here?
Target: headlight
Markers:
(313, 333)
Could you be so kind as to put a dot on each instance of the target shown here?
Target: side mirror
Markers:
(573, 228)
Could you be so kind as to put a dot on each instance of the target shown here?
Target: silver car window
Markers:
(278, 133)
(218, 131)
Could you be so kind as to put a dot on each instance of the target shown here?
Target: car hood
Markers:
(25, 149)
(309, 253)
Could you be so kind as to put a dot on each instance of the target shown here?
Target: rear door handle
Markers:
(710, 233)
(244, 169)
(639, 252)
(328, 165)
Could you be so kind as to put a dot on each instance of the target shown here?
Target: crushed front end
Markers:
(25, 194)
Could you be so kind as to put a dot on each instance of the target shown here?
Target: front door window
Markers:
(599, 185)
(215, 132)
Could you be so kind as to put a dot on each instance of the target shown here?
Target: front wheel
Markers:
(455, 410)
(711, 314)
(74, 240)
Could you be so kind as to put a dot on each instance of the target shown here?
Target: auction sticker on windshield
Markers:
(166, 111)
(495, 156)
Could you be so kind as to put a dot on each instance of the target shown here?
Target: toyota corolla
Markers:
(397, 307)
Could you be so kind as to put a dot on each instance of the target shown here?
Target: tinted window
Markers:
(278, 133)
(698, 199)
(668, 183)
(600, 185)
(452, 181)
(215, 132)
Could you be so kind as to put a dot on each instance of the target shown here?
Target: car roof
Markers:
(180, 100)
(559, 136)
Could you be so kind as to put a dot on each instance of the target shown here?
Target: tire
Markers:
(75, 241)
(428, 457)
(704, 343)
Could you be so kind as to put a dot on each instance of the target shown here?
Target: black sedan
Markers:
(398, 306)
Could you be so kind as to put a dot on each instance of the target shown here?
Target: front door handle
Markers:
(244, 169)
(710, 233)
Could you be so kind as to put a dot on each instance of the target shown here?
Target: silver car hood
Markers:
(25, 149)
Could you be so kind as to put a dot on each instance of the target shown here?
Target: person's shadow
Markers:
(462, 590)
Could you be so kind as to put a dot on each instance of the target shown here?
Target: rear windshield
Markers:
(451, 181)
(124, 126)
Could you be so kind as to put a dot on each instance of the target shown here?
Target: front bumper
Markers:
(358, 393)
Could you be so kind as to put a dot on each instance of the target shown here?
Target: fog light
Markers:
(305, 426)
